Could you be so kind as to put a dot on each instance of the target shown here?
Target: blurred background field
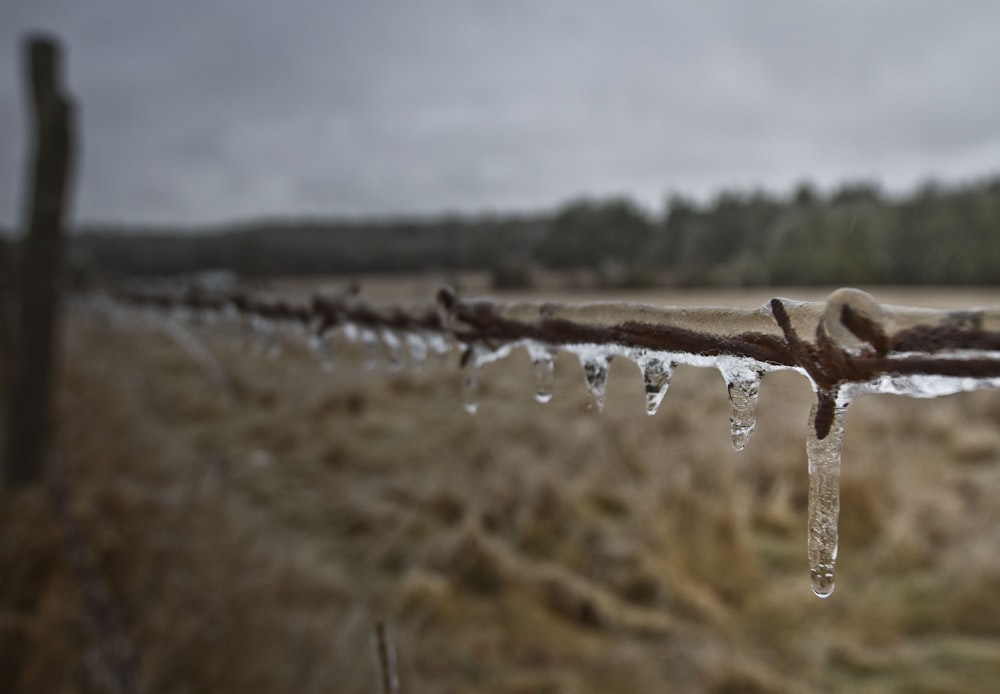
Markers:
(249, 532)
(237, 523)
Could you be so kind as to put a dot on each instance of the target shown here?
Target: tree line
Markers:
(854, 234)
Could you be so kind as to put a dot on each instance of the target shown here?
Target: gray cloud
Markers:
(199, 111)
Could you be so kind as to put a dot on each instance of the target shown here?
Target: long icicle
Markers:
(824, 497)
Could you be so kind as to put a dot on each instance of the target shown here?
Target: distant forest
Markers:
(853, 235)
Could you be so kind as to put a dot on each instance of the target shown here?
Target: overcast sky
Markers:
(197, 111)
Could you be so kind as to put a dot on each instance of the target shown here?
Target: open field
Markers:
(245, 532)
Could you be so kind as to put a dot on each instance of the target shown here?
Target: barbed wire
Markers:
(848, 340)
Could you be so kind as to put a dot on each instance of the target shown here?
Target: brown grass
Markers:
(249, 540)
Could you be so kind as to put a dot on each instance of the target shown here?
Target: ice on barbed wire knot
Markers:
(854, 320)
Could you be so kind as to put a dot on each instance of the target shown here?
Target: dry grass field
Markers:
(245, 534)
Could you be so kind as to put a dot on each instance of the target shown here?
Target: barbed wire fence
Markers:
(846, 347)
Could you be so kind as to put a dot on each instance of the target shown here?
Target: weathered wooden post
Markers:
(7, 294)
(39, 263)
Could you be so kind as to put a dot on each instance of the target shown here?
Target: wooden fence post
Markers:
(7, 293)
(39, 264)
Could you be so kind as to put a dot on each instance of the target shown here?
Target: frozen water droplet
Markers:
(822, 581)
(543, 359)
(595, 373)
(744, 386)
(824, 499)
(656, 374)
(470, 380)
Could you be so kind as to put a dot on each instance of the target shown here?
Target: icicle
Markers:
(322, 346)
(260, 342)
(417, 347)
(543, 358)
(393, 350)
(743, 383)
(373, 348)
(470, 379)
(824, 498)
(595, 373)
(275, 345)
(656, 374)
(437, 343)
(351, 332)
